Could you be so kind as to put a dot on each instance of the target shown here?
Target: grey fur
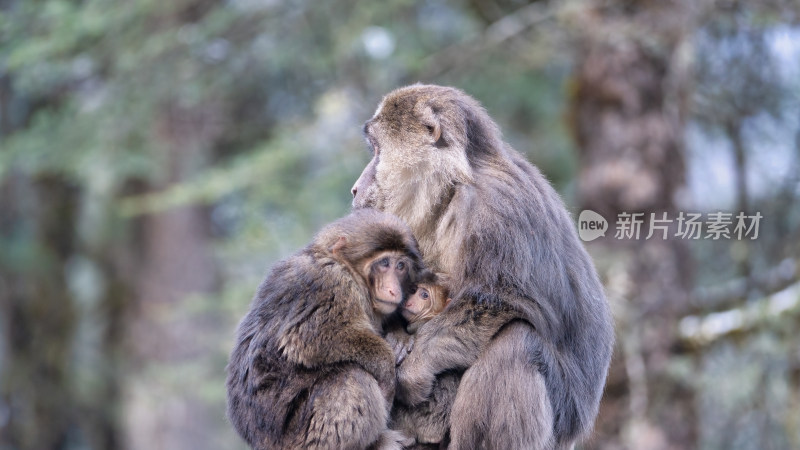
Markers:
(486, 216)
(429, 420)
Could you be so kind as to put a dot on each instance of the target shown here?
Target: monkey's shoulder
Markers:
(302, 301)
(306, 280)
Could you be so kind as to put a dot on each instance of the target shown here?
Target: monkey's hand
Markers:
(415, 379)
(401, 343)
(393, 440)
(442, 345)
(403, 351)
(450, 341)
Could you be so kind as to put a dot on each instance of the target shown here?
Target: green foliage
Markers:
(250, 112)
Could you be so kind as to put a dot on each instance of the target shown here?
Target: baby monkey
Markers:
(427, 422)
(431, 297)
(309, 369)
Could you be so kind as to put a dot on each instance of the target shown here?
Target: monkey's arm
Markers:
(334, 330)
(360, 346)
(452, 340)
(371, 352)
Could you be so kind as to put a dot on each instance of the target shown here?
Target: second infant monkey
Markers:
(431, 297)
(427, 422)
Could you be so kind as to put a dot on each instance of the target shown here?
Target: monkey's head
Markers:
(424, 140)
(430, 298)
(381, 249)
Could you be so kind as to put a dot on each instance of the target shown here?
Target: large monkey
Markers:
(486, 216)
(309, 368)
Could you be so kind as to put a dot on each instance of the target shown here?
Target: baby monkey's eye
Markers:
(424, 294)
(384, 262)
(430, 128)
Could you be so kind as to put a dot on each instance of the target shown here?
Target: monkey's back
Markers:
(271, 398)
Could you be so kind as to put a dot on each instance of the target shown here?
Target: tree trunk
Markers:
(176, 261)
(37, 220)
(628, 112)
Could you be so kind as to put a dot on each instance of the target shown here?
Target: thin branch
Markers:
(459, 55)
(735, 291)
(704, 329)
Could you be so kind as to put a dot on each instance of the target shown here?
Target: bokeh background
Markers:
(157, 156)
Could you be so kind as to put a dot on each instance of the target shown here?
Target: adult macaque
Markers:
(488, 218)
(309, 368)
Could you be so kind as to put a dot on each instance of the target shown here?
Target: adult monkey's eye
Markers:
(424, 294)
(384, 262)
(401, 265)
(373, 149)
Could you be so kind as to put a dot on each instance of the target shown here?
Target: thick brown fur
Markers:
(309, 368)
(486, 216)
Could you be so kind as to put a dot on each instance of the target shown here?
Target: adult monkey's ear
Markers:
(436, 132)
(430, 118)
(338, 245)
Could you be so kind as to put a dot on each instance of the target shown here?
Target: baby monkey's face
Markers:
(389, 276)
(428, 301)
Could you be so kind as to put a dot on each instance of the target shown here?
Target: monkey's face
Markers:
(417, 139)
(388, 274)
(428, 301)
(418, 302)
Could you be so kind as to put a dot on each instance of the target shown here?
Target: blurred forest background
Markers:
(156, 157)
